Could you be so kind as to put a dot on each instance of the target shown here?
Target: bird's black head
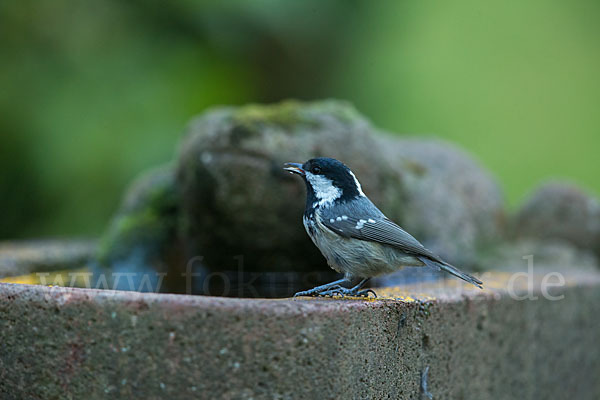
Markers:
(327, 180)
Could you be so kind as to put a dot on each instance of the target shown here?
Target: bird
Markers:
(354, 236)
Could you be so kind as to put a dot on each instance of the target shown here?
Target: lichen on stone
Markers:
(147, 217)
(285, 114)
(291, 114)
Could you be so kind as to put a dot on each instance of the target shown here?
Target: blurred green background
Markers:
(92, 93)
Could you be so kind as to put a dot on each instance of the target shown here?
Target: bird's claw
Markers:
(365, 293)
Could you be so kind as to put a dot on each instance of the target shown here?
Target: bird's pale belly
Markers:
(356, 258)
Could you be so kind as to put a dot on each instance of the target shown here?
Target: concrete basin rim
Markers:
(129, 299)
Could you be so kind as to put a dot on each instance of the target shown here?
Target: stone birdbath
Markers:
(187, 293)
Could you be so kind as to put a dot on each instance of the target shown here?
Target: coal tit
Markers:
(355, 237)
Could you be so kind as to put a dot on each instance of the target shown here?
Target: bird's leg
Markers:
(317, 291)
(354, 291)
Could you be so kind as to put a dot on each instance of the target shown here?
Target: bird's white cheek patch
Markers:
(324, 189)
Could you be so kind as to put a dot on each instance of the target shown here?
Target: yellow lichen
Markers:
(75, 278)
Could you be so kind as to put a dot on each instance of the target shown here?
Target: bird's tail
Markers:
(452, 270)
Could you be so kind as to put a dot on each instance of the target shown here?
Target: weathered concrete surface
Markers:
(62, 343)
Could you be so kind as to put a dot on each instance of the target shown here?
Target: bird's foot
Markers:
(316, 291)
(342, 291)
(336, 289)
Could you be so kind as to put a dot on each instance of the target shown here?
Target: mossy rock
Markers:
(146, 219)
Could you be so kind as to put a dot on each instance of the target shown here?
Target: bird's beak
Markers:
(294, 168)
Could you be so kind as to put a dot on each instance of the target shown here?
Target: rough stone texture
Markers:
(561, 211)
(236, 199)
(61, 343)
(24, 257)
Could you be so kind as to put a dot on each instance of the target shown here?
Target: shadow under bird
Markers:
(355, 237)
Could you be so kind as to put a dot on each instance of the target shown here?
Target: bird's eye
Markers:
(315, 170)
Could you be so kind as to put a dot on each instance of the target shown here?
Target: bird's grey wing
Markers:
(380, 230)
(361, 219)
